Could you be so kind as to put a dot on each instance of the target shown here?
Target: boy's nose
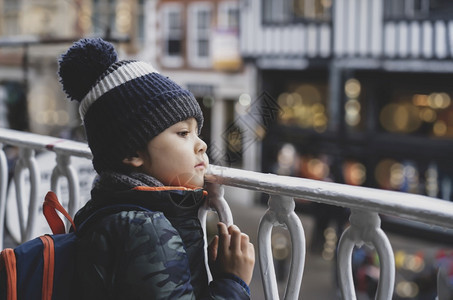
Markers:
(201, 146)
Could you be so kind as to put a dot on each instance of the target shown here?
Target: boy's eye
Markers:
(183, 133)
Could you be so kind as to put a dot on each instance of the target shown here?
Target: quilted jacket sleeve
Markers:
(139, 255)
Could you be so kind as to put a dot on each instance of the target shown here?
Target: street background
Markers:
(355, 92)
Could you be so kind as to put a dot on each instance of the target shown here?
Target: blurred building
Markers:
(195, 42)
(363, 88)
(359, 88)
(197, 45)
(32, 36)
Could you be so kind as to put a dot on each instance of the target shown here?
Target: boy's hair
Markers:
(123, 104)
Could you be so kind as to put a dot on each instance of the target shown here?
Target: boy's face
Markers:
(177, 156)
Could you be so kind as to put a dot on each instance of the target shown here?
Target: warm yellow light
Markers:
(383, 173)
(400, 117)
(245, 99)
(320, 122)
(282, 99)
(396, 175)
(352, 88)
(353, 120)
(317, 168)
(407, 289)
(439, 100)
(428, 115)
(420, 100)
(297, 99)
(440, 128)
(317, 108)
(414, 263)
(352, 106)
(352, 109)
(309, 92)
(399, 259)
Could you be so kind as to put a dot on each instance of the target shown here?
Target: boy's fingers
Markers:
(212, 249)
(224, 236)
(245, 240)
(235, 243)
(251, 251)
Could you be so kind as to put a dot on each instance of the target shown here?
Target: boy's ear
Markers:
(133, 161)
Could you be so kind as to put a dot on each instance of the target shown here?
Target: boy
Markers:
(142, 129)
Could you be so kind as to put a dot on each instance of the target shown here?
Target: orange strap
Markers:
(8, 261)
(50, 207)
(48, 268)
(166, 188)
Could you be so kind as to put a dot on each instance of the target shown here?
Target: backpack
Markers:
(44, 267)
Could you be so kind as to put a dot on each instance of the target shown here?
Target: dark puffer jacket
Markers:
(139, 254)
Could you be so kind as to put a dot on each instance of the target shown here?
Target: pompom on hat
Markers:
(123, 104)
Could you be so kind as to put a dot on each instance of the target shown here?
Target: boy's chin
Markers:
(191, 182)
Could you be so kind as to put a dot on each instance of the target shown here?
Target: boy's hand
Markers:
(232, 252)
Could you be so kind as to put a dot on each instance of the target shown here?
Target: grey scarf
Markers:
(112, 181)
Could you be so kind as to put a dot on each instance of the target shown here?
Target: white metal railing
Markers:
(365, 203)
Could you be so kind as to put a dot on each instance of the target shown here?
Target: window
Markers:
(418, 9)
(10, 24)
(118, 18)
(200, 35)
(140, 13)
(228, 18)
(104, 17)
(285, 11)
(172, 35)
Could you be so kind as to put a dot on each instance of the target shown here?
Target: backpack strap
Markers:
(48, 253)
(8, 261)
(50, 207)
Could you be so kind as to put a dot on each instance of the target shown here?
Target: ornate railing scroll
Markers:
(26, 161)
(365, 229)
(281, 213)
(216, 201)
(64, 169)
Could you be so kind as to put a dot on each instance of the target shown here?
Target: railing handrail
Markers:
(414, 207)
(43, 142)
(429, 210)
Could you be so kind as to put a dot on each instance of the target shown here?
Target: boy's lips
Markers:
(201, 165)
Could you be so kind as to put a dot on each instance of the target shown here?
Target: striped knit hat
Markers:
(123, 104)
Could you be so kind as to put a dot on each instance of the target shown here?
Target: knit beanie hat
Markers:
(123, 104)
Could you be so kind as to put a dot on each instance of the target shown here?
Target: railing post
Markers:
(3, 187)
(65, 169)
(217, 202)
(26, 160)
(444, 288)
(365, 229)
(281, 213)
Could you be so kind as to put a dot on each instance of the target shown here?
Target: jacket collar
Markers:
(174, 202)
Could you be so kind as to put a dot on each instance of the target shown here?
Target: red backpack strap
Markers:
(50, 207)
(8, 261)
(48, 254)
